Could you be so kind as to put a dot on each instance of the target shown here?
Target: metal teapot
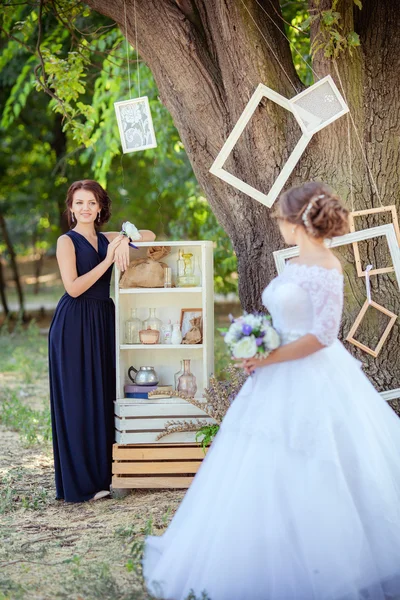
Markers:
(145, 376)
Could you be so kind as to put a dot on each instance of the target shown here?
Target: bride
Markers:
(298, 497)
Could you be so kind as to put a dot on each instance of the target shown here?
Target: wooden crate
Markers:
(152, 466)
(141, 421)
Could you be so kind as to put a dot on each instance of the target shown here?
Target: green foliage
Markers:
(85, 75)
(207, 433)
(331, 38)
(297, 23)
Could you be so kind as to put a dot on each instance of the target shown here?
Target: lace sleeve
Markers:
(326, 293)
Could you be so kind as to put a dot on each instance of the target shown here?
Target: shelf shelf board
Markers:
(161, 347)
(179, 290)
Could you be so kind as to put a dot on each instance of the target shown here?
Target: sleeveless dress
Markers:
(82, 381)
(298, 497)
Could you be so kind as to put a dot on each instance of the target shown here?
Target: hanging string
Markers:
(290, 42)
(269, 46)
(358, 137)
(136, 46)
(127, 51)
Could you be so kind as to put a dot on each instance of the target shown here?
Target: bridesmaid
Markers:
(81, 346)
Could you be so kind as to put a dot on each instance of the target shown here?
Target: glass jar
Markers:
(187, 382)
(132, 328)
(152, 322)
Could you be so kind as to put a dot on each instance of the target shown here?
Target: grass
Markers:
(46, 545)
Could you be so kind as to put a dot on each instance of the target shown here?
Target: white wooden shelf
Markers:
(179, 290)
(161, 347)
(138, 421)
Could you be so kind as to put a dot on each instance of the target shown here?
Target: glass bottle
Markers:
(132, 328)
(180, 265)
(177, 375)
(152, 322)
(166, 331)
(176, 336)
(189, 266)
(187, 382)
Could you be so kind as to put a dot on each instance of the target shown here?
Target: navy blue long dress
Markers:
(82, 381)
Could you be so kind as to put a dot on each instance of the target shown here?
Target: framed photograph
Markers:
(135, 124)
(187, 314)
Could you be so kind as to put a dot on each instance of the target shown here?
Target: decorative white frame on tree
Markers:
(373, 211)
(309, 123)
(388, 231)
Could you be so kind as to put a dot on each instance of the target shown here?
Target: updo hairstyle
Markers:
(316, 207)
(100, 194)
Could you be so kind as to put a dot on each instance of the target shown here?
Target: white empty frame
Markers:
(388, 231)
(315, 108)
(373, 211)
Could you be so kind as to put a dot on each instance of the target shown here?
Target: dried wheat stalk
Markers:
(219, 396)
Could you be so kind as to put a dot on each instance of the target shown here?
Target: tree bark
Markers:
(3, 296)
(208, 57)
(13, 263)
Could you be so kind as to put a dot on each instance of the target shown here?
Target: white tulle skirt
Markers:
(298, 497)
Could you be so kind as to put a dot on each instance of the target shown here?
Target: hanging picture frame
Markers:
(311, 109)
(392, 319)
(135, 124)
(373, 211)
(387, 231)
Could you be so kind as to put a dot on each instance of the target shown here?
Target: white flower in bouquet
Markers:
(271, 339)
(245, 348)
(131, 231)
(254, 321)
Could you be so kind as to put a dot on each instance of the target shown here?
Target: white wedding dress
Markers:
(298, 497)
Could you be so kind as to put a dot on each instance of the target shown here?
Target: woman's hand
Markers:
(112, 246)
(121, 256)
(251, 364)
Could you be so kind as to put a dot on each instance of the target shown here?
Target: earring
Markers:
(72, 217)
(294, 228)
(98, 218)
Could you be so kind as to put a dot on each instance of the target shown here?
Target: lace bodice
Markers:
(306, 299)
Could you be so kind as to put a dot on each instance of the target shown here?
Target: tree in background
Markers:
(206, 59)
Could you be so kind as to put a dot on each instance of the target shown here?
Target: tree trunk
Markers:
(207, 59)
(3, 296)
(13, 263)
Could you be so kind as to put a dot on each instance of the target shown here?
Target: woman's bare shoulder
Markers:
(64, 242)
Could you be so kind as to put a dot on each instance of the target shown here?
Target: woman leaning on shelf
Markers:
(82, 346)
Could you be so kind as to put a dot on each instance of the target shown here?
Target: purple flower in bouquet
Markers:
(247, 329)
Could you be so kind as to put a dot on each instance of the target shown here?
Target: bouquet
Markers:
(251, 335)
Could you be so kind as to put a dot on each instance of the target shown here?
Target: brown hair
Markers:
(315, 206)
(100, 194)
